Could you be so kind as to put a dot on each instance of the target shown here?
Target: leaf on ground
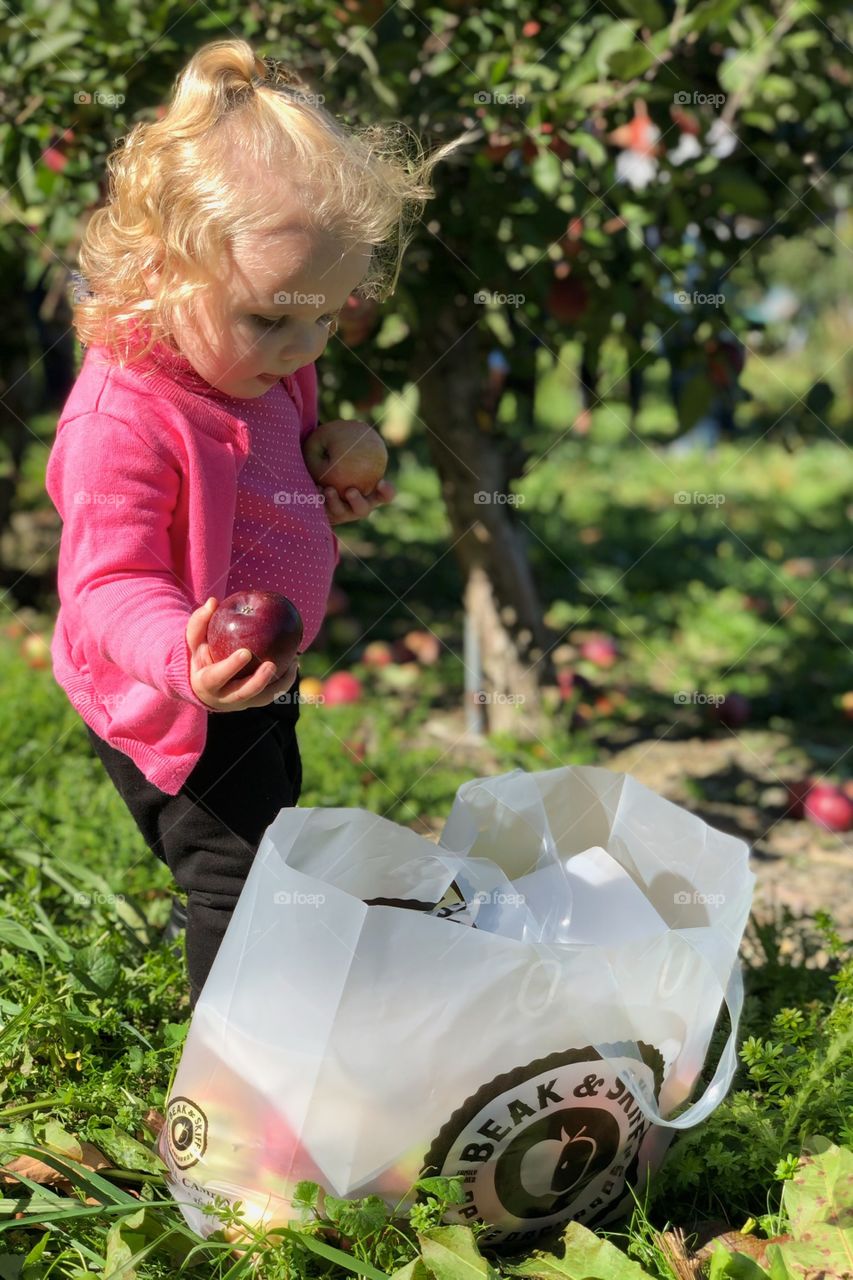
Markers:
(90, 1157)
(134, 1233)
(126, 1151)
(414, 1270)
(587, 1257)
(451, 1253)
(726, 1265)
(819, 1202)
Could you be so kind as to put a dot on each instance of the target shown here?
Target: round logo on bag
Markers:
(186, 1132)
(553, 1140)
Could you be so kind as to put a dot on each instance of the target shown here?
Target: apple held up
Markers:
(264, 622)
(345, 454)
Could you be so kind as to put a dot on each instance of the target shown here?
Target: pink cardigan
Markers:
(148, 507)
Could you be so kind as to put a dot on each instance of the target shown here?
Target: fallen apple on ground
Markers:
(346, 454)
(341, 687)
(264, 622)
(828, 806)
(377, 654)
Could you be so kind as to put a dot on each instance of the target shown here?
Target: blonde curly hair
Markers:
(177, 199)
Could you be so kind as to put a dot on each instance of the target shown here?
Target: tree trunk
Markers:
(502, 603)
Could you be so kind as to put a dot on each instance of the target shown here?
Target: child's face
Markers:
(271, 310)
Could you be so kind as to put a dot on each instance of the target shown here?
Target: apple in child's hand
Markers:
(345, 455)
(265, 622)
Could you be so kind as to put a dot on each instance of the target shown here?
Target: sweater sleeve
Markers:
(116, 497)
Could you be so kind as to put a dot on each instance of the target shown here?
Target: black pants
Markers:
(208, 834)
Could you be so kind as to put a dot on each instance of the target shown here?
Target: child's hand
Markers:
(355, 505)
(218, 684)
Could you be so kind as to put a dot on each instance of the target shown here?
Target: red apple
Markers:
(377, 654)
(601, 650)
(531, 29)
(341, 687)
(829, 807)
(424, 645)
(734, 711)
(346, 454)
(54, 159)
(265, 622)
(847, 704)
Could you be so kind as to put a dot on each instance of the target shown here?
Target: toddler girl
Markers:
(235, 229)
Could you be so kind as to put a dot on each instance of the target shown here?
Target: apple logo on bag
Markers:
(556, 1139)
(186, 1132)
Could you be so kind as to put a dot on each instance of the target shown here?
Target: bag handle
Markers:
(732, 993)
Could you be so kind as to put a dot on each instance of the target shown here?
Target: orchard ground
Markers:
(748, 594)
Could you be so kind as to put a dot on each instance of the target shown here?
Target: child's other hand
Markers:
(355, 505)
(218, 684)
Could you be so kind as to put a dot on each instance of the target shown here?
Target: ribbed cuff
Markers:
(178, 675)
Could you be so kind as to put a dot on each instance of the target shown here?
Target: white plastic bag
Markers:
(533, 1037)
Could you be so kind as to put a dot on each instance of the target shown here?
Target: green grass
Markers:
(92, 1005)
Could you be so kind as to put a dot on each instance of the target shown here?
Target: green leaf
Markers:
(447, 1189)
(726, 1265)
(547, 173)
(61, 1140)
(132, 1237)
(587, 1257)
(451, 1253)
(649, 12)
(626, 63)
(414, 1270)
(124, 1151)
(819, 1204)
(593, 147)
(356, 1218)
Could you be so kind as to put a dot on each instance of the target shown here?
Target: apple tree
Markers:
(623, 157)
